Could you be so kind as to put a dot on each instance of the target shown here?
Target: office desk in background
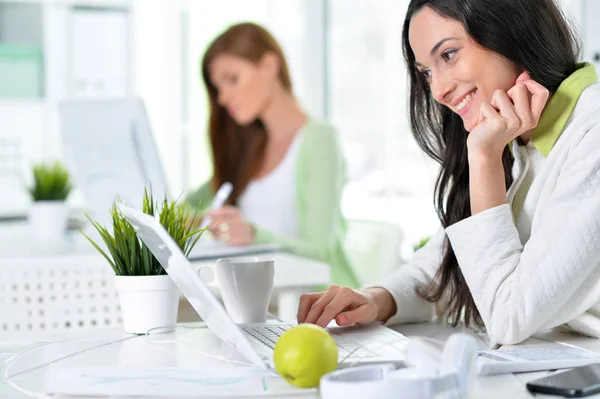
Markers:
(294, 275)
(187, 349)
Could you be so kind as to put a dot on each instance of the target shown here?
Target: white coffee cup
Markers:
(246, 287)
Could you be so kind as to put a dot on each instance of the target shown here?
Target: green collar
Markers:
(559, 108)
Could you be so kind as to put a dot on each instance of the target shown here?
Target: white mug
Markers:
(246, 287)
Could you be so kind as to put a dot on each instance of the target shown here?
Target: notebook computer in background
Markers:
(214, 249)
(256, 342)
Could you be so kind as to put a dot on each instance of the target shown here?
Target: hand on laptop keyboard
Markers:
(345, 305)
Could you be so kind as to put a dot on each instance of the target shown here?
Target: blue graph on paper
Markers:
(105, 381)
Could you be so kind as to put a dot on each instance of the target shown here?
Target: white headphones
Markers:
(430, 374)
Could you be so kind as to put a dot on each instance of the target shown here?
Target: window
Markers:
(390, 179)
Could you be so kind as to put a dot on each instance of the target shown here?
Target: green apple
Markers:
(305, 353)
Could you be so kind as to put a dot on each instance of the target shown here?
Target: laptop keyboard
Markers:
(351, 347)
(268, 335)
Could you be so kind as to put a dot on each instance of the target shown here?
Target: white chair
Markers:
(373, 248)
(57, 294)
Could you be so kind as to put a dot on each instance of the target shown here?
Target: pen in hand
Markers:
(220, 198)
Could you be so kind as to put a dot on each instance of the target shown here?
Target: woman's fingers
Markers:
(319, 305)
(520, 97)
(345, 298)
(342, 304)
(224, 220)
(539, 94)
(539, 97)
(506, 108)
(234, 232)
(523, 77)
(361, 315)
(306, 302)
(221, 225)
(488, 113)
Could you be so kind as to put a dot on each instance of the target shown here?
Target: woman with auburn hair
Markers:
(287, 168)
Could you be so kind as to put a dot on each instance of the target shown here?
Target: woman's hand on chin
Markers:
(509, 115)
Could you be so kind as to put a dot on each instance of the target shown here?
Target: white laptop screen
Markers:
(186, 277)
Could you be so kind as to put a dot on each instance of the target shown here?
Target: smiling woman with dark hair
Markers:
(498, 99)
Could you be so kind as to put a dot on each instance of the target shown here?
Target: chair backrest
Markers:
(57, 294)
(373, 248)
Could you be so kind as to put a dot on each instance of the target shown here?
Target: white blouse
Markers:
(270, 202)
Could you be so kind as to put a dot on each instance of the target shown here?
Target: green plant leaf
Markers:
(51, 182)
(129, 256)
(110, 261)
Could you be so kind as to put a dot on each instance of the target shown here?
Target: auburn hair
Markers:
(238, 151)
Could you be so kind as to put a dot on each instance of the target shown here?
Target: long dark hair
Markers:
(238, 151)
(532, 33)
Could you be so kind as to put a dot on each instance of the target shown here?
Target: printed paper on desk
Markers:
(166, 382)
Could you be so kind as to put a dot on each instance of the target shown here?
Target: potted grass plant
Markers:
(147, 295)
(49, 212)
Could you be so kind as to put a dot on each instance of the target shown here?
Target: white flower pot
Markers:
(48, 219)
(147, 302)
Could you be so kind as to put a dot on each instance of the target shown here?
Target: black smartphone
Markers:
(575, 383)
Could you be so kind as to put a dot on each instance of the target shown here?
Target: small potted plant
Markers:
(147, 295)
(49, 212)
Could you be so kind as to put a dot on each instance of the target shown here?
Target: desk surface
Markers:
(18, 239)
(187, 348)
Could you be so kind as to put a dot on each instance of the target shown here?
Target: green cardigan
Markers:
(320, 179)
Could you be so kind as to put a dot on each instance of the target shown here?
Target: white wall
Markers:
(574, 8)
(24, 121)
(156, 77)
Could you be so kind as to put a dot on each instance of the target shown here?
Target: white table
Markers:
(186, 349)
(294, 275)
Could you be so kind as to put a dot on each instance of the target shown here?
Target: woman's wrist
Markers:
(384, 302)
(485, 162)
(487, 185)
(484, 155)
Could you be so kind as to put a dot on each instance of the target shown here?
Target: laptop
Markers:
(256, 342)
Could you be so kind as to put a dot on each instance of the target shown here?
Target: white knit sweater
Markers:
(542, 270)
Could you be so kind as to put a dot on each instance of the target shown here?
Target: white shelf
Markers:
(75, 3)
